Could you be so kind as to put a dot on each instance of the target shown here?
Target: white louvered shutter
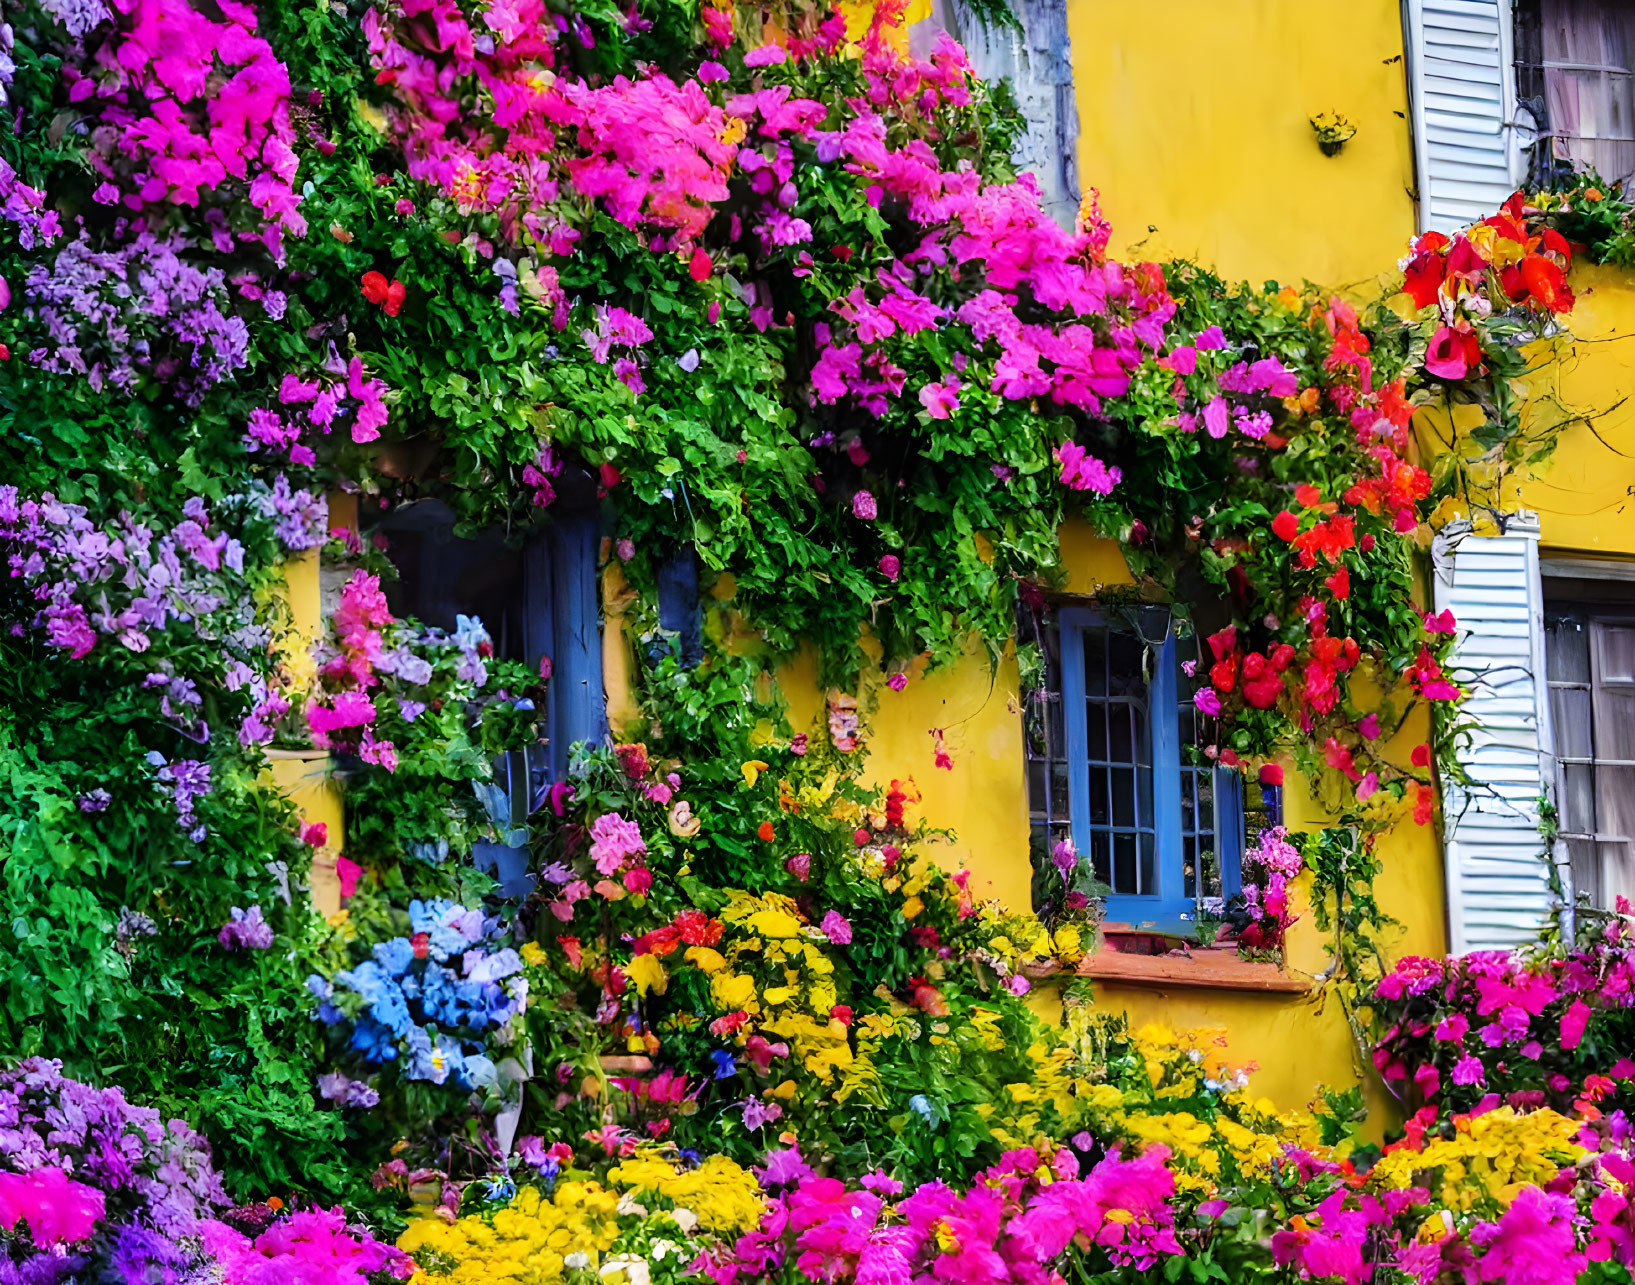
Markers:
(1497, 878)
(1462, 92)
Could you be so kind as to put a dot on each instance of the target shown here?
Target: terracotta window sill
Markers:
(1207, 969)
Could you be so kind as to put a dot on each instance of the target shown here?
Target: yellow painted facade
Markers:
(1194, 126)
(1194, 120)
(1583, 493)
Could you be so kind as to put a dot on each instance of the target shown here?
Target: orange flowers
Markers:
(1540, 280)
(388, 297)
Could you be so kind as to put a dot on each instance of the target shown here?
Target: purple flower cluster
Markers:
(138, 309)
(300, 518)
(123, 581)
(189, 781)
(269, 704)
(246, 930)
(24, 208)
(336, 1087)
(155, 1173)
(78, 17)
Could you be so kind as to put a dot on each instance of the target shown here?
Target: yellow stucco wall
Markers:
(1295, 1046)
(1194, 119)
(1582, 494)
(304, 775)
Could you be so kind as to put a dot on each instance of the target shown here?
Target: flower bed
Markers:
(778, 299)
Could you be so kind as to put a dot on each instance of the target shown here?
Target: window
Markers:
(537, 599)
(1590, 661)
(1112, 743)
(1576, 75)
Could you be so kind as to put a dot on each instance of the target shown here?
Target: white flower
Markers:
(577, 1260)
(635, 1269)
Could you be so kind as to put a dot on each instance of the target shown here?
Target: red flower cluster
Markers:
(691, 927)
(1498, 262)
(388, 297)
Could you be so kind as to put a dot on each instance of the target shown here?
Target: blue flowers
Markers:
(433, 1002)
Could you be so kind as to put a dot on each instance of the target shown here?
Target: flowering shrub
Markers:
(431, 1005)
(425, 712)
(1268, 866)
(1527, 1030)
(95, 1188)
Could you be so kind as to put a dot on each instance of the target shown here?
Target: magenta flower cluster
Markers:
(1500, 1026)
(1014, 1223)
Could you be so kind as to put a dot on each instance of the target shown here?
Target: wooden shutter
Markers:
(1497, 874)
(1462, 92)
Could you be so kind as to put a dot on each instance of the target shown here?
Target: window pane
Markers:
(1615, 653)
(1578, 803)
(1101, 843)
(1124, 797)
(1096, 730)
(1615, 803)
(1100, 797)
(1589, 98)
(1570, 719)
(1566, 649)
(1126, 878)
(1122, 729)
(1095, 663)
(1127, 672)
(1586, 863)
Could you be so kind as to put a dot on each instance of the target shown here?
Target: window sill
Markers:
(1208, 969)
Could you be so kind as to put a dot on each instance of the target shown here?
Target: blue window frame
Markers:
(1107, 741)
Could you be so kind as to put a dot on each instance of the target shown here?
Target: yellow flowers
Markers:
(912, 908)
(704, 959)
(1495, 1154)
(533, 954)
(752, 771)
(733, 991)
(724, 1196)
(538, 1241)
(527, 1242)
(775, 923)
(647, 974)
